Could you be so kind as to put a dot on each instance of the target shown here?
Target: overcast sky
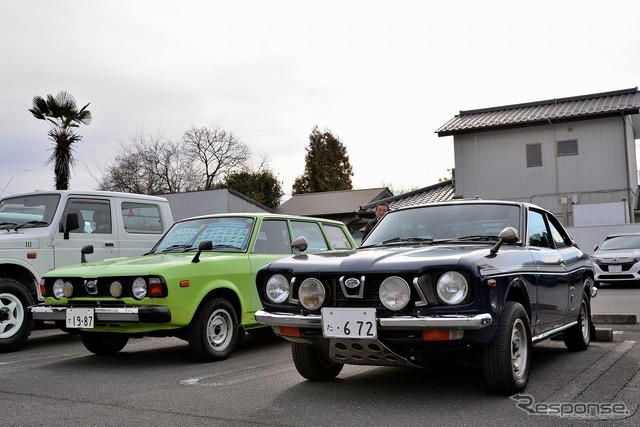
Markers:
(380, 75)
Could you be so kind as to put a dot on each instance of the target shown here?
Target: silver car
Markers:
(617, 258)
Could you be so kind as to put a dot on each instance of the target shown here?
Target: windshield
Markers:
(36, 209)
(468, 222)
(621, 242)
(225, 233)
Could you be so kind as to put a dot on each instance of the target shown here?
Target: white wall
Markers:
(588, 237)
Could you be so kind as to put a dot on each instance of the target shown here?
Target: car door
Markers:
(573, 259)
(552, 283)
(95, 217)
(271, 242)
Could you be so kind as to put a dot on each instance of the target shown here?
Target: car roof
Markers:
(265, 215)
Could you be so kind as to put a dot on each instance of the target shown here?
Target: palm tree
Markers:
(62, 114)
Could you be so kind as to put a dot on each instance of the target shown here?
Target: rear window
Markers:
(141, 218)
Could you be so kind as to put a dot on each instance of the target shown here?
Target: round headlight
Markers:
(139, 288)
(115, 289)
(311, 294)
(394, 293)
(452, 288)
(277, 288)
(57, 289)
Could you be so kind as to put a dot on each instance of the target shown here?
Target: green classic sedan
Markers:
(197, 283)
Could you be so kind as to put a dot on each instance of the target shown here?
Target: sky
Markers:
(382, 76)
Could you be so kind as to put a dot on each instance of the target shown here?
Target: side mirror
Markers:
(508, 235)
(86, 250)
(205, 245)
(71, 222)
(299, 245)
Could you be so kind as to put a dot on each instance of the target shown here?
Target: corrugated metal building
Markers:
(555, 153)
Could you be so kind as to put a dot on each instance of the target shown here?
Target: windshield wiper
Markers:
(225, 247)
(479, 237)
(7, 225)
(175, 247)
(31, 223)
(408, 240)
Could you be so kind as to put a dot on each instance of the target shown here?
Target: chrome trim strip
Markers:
(288, 319)
(461, 322)
(423, 300)
(553, 331)
(103, 314)
(454, 321)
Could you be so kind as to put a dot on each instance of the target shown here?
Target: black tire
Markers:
(578, 337)
(213, 332)
(15, 323)
(313, 363)
(104, 344)
(506, 361)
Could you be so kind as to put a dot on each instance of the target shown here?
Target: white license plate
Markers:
(615, 269)
(80, 318)
(349, 323)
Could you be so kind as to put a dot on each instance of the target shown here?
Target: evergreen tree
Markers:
(327, 166)
(262, 186)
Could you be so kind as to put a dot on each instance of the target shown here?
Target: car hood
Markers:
(382, 259)
(617, 253)
(148, 264)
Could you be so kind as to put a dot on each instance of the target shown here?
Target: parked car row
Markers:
(462, 280)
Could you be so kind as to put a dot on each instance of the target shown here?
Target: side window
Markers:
(559, 235)
(534, 155)
(337, 237)
(94, 216)
(537, 234)
(141, 218)
(272, 238)
(311, 231)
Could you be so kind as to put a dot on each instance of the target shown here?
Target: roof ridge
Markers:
(551, 101)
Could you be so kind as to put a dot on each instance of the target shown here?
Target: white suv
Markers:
(617, 259)
(44, 230)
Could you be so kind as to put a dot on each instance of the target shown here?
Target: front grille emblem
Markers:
(91, 286)
(352, 283)
(352, 287)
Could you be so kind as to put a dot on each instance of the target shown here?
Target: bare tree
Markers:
(150, 165)
(218, 152)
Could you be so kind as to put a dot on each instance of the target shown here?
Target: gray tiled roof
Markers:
(582, 107)
(439, 192)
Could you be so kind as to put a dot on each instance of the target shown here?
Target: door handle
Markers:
(109, 244)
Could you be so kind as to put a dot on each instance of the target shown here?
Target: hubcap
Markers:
(11, 315)
(219, 330)
(519, 349)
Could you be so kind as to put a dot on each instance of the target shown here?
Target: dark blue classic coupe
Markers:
(480, 278)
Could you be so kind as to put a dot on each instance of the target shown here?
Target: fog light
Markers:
(311, 294)
(115, 289)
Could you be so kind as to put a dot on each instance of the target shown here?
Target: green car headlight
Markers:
(57, 289)
(139, 288)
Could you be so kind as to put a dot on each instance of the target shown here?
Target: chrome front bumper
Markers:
(144, 314)
(455, 322)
